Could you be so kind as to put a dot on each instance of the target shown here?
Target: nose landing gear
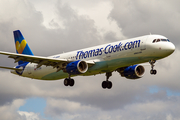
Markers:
(152, 71)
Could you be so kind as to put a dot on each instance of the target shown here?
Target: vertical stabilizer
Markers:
(21, 45)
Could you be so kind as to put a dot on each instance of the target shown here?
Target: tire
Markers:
(109, 84)
(151, 72)
(154, 72)
(104, 84)
(66, 82)
(71, 82)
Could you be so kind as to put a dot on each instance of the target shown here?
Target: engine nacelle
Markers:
(76, 67)
(134, 72)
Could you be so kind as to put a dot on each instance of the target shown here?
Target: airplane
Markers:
(123, 56)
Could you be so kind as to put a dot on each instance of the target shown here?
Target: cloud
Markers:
(157, 109)
(8, 111)
(143, 17)
(29, 115)
(59, 106)
(152, 110)
(74, 25)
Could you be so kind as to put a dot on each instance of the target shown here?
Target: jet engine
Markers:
(132, 72)
(76, 67)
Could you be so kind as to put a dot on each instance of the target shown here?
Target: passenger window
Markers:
(154, 40)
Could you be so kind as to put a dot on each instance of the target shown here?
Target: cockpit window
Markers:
(163, 39)
(158, 40)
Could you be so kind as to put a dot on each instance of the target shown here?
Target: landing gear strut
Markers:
(107, 84)
(152, 71)
(69, 81)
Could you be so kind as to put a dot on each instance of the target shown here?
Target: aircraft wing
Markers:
(17, 69)
(54, 62)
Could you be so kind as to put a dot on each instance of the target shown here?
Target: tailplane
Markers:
(21, 45)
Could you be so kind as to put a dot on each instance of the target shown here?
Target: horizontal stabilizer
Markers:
(17, 69)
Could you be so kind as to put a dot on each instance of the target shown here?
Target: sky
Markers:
(57, 26)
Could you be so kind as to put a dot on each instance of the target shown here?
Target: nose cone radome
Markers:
(168, 48)
(171, 48)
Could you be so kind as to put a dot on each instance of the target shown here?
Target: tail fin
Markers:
(21, 45)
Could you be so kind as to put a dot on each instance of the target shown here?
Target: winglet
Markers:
(21, 45)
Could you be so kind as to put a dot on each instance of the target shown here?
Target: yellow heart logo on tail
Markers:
(20, 47)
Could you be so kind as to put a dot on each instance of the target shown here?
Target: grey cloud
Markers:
(9, 111)
(156, 109)
(152, 110)
(110, 36)
(143, 17)
(79, 32)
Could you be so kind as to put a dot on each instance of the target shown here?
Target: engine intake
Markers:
(76, 67)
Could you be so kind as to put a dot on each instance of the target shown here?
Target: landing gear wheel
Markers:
(71, 83)
(153, 72)
(109, 84)
(106, 84)
(66, 82)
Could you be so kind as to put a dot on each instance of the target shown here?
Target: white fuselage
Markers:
(107, 57)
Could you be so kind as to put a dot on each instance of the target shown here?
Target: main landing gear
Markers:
(107, 84)
(152, 71)
(69, 81)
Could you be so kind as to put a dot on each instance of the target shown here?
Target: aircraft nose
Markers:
(168, 48)
(171, 47)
